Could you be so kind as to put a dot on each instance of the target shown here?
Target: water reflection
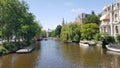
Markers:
(114, 59)
(83, 56)
(19, 60)
(55, 54)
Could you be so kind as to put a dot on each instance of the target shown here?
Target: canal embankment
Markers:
(12, 47)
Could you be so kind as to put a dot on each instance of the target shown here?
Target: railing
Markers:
(105, 23)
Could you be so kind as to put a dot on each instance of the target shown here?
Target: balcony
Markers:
(105, 23)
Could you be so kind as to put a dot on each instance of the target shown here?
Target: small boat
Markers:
(91, 43)
(83, 43)
(113, 47)
(87, 43)
(26, 50)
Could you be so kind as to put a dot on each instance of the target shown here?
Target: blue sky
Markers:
(50, 12)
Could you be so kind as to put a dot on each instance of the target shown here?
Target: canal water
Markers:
(56, 54)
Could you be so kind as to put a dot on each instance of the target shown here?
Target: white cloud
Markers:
(78, 10)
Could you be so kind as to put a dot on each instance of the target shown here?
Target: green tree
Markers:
(64, 33)
(52, 33)
(58, 30)
(28, 32)
(43, 33)
(16, 20)
(107, 39)
(71, 32)
(11, 15)
(89, 31)
(37, 27)
(92, 18)
(118, 39)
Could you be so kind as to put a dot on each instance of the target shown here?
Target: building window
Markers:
(108, 8)
(118, 5)
(116, 17)
(116, 28)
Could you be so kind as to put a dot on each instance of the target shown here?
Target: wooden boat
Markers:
(113, 47)
(87, 43)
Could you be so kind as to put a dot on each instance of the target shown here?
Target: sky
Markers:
(51, 12)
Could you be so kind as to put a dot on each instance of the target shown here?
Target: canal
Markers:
(56, 54)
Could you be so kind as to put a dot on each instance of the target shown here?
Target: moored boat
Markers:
(26, 50)
(113, 47)
(83, 43)
(91, 43)
(87, 43)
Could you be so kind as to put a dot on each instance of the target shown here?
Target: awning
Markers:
(106, 16)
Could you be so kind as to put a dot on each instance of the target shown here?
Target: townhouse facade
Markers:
(110, 19)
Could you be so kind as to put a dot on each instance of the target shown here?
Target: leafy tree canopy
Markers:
(58, 30)
(52, 33)
(16, 20)
(92, 18)
(89, 31)
(71, 32)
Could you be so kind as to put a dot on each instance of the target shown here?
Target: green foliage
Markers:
(37, 28)
(52, 33)
(10, 46)
(71, 32)
(64, 33)
(118, 39)
(16, 20)
(89, 31)
(107, 39)
(92, 18)
(43, 33)
(2, 51)
(0, 32)
(104, 34)
(29, 31)
(110, 39)
(97, 37)
(58, 30)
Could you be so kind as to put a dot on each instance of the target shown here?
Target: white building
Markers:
(110, 19)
